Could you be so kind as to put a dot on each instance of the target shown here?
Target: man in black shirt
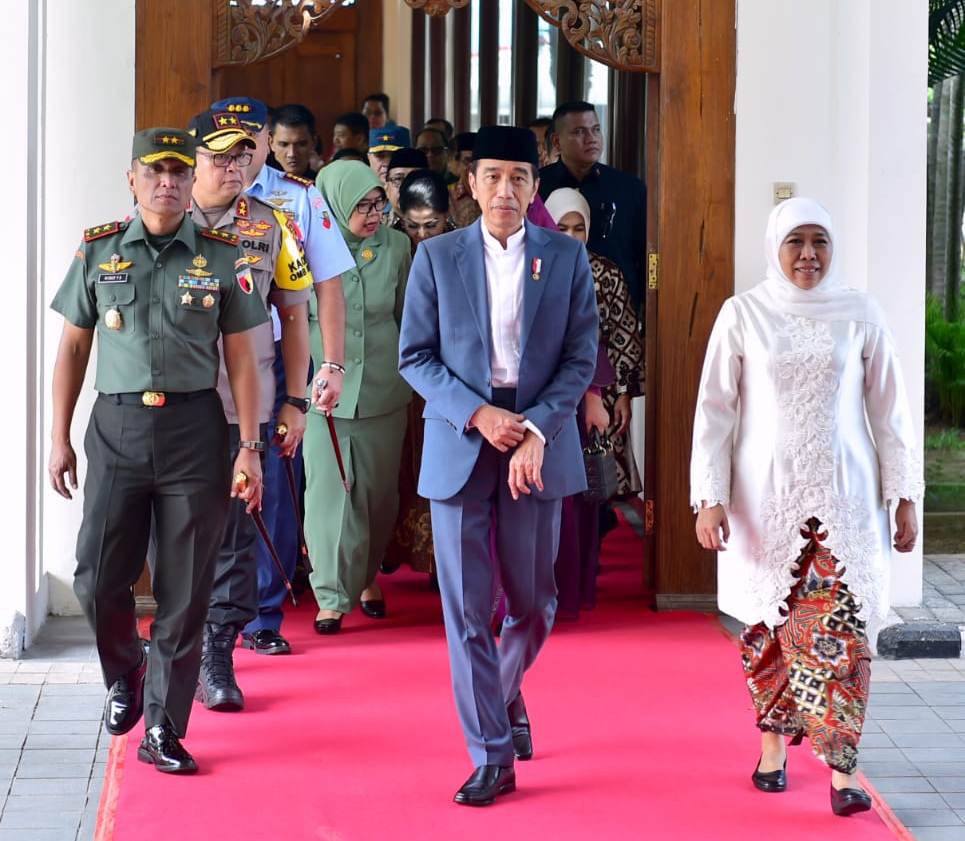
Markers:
(618, 201)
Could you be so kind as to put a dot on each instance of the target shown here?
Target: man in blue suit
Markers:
(499, 335)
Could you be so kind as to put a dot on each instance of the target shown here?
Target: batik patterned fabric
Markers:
(810, 676)
(622, 333)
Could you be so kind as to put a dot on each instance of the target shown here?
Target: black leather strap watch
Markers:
(300, 403)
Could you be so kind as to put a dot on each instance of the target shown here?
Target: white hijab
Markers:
(567, 200)
(830, 300)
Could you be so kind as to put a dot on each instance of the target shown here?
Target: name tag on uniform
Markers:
(120, 277)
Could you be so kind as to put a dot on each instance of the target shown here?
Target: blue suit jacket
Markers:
(445, 353)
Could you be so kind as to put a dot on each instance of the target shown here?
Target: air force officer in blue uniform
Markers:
(499, 335)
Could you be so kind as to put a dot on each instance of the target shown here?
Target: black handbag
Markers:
(601, 468)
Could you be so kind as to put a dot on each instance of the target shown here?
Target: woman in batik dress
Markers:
(786, 473)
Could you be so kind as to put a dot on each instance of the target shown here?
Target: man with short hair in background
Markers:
(351, 132)
(434, 144)
(382, 143)
(293, 140)
(375, 107)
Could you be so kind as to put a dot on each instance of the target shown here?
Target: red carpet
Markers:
(641, 724)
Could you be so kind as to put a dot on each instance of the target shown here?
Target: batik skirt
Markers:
(810, 675)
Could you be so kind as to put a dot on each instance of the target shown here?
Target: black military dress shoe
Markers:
(770, 781)
(266, 641)
(125, 701)
(522, 735)
(485, 784)
(162, 749)
(849, 801)
(373, 608)
(217, 688)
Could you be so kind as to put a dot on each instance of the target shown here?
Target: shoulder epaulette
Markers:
(305, 182)
(221, 236)
(104, 230)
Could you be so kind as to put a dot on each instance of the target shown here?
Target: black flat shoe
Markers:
(162, 749)
(387, 567)
(125, 701)
(486, 784)
(266, 641)
(373, 608)
(519, 722)
(328, 626)
(849, 801)
(770, 781)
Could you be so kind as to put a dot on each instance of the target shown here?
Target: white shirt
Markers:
(505, 278)
(782, 434)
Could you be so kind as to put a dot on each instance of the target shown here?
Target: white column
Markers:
(88, 125)
(396, 58)
(831, 96)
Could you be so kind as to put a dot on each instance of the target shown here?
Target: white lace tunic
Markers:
(781, 435)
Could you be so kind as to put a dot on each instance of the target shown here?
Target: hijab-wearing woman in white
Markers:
(786, 472)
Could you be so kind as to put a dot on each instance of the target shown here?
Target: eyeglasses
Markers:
(224, 160)
(364, 208)
(432, 150)
(395, 180)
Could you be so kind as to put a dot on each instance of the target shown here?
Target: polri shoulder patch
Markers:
(98, 231)
(226, 237)
(305, 182)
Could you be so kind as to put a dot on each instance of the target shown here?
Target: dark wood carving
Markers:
(437, 8)
(245, 33)
(622, 34)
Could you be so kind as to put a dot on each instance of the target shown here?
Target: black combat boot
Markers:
(217, 688)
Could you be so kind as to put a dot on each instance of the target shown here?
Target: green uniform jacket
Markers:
(158, 315)
(374, 291)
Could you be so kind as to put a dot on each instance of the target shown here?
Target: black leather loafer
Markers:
(266, 641)
(770, 781)
(519, 722)
(328, 626)
(849, 801)
(373, 608)
(125, 701)
(486, 783)
(162, 749)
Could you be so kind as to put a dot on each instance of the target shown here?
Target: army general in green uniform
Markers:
(158, 291)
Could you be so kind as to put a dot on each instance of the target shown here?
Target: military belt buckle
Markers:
(154, 399)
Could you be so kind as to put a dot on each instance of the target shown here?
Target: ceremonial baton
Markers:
(321, 383)
(281, 431)
(241, 480)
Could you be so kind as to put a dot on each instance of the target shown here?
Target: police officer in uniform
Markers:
(328, 256)
(272, 252)
(158, 291)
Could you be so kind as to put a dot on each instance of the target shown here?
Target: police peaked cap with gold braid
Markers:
(160, 143)
(253, 113)
(219, 131)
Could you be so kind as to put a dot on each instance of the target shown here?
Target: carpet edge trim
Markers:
(113, 774)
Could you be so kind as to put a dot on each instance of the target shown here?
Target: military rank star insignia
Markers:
(186, 299)
(116, 264)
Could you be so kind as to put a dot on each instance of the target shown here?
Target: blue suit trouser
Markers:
(486, 678)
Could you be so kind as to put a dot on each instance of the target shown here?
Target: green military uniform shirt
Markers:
(158, 315)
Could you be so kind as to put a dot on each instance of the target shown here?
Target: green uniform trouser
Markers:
(347, 533)
(171, 461)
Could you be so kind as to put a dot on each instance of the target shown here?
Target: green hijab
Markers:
(344, 184)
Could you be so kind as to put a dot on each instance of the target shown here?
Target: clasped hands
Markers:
(505, 431)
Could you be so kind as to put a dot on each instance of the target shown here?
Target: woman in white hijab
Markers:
(781, 452)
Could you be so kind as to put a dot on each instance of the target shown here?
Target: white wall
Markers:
(89, 122)
(832, 96)
(396, 53)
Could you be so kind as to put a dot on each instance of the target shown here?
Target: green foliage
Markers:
(946, 39)
(949, 438)
(945, 362)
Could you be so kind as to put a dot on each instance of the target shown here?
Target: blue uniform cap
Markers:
(389, 138)
(251, 112)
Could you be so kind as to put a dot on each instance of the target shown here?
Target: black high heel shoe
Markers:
(849, 801)
(772, 782)
(328, 626)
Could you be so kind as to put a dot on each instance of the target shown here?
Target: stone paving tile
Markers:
(54, 770)
(37, 835)
(913, 818)
(69, 785)
(955, 799)
(915, 800)
(902, 785)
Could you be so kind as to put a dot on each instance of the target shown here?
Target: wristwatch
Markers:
(300, 403)
(257, 446)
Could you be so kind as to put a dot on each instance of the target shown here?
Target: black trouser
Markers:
(234, 596)
(171, 462)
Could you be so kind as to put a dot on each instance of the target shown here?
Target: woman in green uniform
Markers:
(347, 533)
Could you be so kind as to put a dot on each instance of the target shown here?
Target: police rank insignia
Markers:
(99, 231)
(242, 209)
(116, 264)
(113, 320)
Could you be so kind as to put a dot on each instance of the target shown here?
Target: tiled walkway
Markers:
(53, 749)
